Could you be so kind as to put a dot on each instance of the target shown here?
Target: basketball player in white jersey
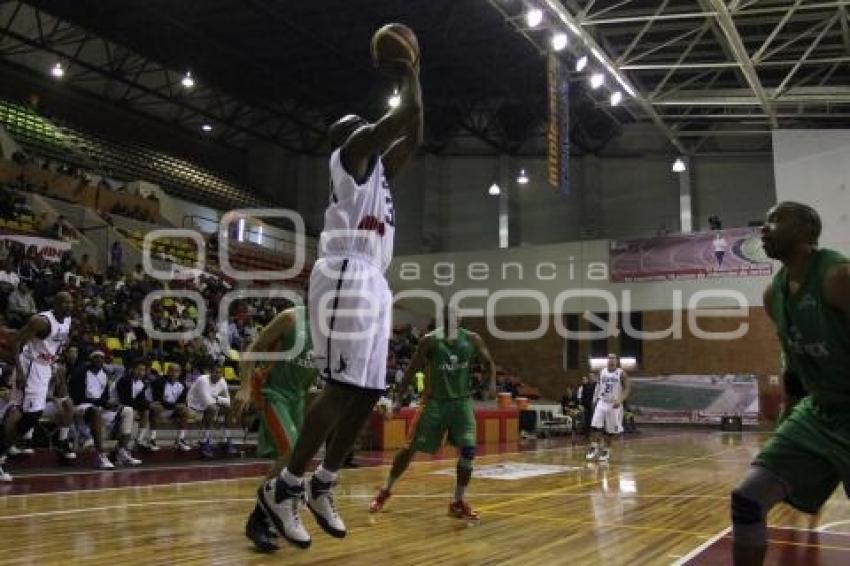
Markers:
(612, 390)
(37, 347)
(355, 250)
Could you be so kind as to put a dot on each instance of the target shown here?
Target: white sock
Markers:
(63, 432)
(182, 434)
(28, 435)
(206, 435)
(460, 490)
(289, 478)
(324, 475)
(143, 434)
(153, 435)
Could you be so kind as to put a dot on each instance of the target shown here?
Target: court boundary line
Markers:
(698, 550)
(153, 485)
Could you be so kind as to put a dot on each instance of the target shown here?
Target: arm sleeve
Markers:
(223, 394)
(205, 391)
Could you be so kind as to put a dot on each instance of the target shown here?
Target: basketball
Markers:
(394, 42)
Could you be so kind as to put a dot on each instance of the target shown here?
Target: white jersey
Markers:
(610, 385)
(45, 351)
(360, 218)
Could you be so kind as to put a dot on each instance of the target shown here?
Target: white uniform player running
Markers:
(350, 306)
(37, 346)
(612, 390)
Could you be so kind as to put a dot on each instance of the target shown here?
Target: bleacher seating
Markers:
(125, 161)
(181, 249)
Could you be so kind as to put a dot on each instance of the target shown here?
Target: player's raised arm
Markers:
(397, 124)
(420, 358)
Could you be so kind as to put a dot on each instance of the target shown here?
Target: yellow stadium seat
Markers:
(169, 365)
(156, 366)
(233, 354)
(117, 361)
(114, 343)
(229, 374)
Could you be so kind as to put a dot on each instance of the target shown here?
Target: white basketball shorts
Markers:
(607, 418)
(37, 384)
(350, 308)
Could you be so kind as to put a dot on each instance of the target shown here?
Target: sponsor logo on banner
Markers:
(50, 249)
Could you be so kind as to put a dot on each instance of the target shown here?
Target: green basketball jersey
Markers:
(814, 335)
(294, 377)
(451, 362)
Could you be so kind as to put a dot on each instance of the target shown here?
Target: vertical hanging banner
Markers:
(558, 134)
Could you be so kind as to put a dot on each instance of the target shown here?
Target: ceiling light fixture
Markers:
(534, 17)
(522, 179)
(597, 80)
(559, 41)
(57, 71)
(206, 127)
(395, 100)
(679, 166)
(187, 81)
(581, 63)
(494, 190)
(616, 97)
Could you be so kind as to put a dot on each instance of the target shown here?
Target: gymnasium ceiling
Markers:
(707, 75)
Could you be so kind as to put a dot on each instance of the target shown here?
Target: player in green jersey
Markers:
(447, 354)
(278, 391)
(809, 455)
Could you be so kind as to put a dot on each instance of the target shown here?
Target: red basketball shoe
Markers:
(462, 510)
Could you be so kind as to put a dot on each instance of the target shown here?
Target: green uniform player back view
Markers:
(446, 409)
(809, 455)
(279, 393)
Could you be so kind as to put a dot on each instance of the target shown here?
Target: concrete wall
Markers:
(813, 166)
(442, 203)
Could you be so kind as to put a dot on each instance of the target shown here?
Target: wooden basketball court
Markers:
(662, 499)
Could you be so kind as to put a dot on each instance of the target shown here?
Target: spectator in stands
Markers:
(89, 387)
(21, 305)
(211, 347)
(132, 392)
(86, 269)
(209, 400)
(138, 274)
(116, 254)
(9, 278)
(585, 397)
(58, 229)
(169, 401)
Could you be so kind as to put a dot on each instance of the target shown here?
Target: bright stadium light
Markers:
(534, 17)
(522, 179)
(559, 41)
(187, 81)
(394, 100)
(581, 63)
(57, 71)
(494, 190)
(616, 97)
(206, 127)
(597, 80)
(679, 166)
